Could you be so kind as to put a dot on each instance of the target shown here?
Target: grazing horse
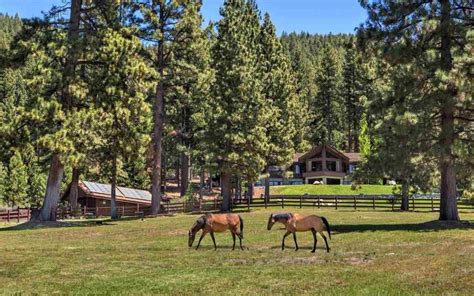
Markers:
(211, 223)
(297, 223)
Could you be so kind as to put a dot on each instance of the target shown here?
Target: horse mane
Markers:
(282, 216)
(200, 223)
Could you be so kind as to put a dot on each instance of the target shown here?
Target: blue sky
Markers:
(314, 16)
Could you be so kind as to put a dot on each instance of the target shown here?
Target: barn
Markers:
(95, 197)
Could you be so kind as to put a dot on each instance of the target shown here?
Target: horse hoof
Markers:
(313, 251)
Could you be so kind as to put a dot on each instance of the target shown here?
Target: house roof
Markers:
(353, 156)
(297, 156)
(317, 149)
(348, 156)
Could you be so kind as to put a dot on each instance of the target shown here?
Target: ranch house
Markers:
(322, 164)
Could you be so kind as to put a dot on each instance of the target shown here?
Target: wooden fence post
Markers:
(8, 216)
(264, 200)
(432, 206)
(215, 204)
(393, 203)
(200, 205)
(248, 203)
(96, 211)
(18, 214)
(373, 202)
(301, 200)
(28, 214)
(413, 203)
(282, 201)
(319, 202)
(123, 210)
(85, 210)
(336, 202)
(355, 203)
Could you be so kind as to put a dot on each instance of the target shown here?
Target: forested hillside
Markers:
(133, 92)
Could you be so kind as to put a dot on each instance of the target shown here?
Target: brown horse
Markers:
(298, 223)
(211, 223)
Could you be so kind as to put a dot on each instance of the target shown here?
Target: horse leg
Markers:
(233, 237)
(326, 241)
(315, 240)
(240, 240)
(296, 243)
(283, 241)
(200, 239)
(213, 240)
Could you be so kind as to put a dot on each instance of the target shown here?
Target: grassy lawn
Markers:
(373, 253)
(330, 189)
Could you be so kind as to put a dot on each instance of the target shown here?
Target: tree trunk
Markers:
(74, 189)
(448, 206)
(267, 184)
(184, 173)
(177, 173)
(56, 171)
(163, 170)
(405, 190)
(201, 183)
(158, 123)
(250, 191)
(226, 191)
(113, 190)
(53, 188)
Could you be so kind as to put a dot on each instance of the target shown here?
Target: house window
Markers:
(331, 165)
(297, 169)
(352, 168)
(316, 166)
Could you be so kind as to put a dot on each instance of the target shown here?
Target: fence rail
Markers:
(384, 202)
(17, 214)
(354, 202)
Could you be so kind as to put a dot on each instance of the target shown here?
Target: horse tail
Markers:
(325, 221)
(241, 226)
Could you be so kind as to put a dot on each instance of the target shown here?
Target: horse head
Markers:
(271, 221)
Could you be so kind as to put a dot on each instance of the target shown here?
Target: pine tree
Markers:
(328, 106)
(282, 103)
(353, 90)
(3, 184)
(17, 187)
(156, 21)
(421, 35)
(237, 134)
(188, 98)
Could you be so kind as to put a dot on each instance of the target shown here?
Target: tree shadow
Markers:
(32, 225)
(419, 227)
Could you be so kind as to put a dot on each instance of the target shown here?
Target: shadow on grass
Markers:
(59, 224)
(420, 227)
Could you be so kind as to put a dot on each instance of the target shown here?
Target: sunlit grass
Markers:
(371, 253)
(330, 189)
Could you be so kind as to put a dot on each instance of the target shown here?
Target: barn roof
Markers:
(123, 193)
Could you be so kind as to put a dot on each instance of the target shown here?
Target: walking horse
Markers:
(299, 223)
(211, 223)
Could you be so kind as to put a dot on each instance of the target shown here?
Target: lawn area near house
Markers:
(330, 189)
(373, 253)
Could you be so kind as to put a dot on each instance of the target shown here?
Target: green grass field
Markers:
(330, 189)
(373, 253)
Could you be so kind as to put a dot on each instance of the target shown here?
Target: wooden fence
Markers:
(10, 215)
(353, 202)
